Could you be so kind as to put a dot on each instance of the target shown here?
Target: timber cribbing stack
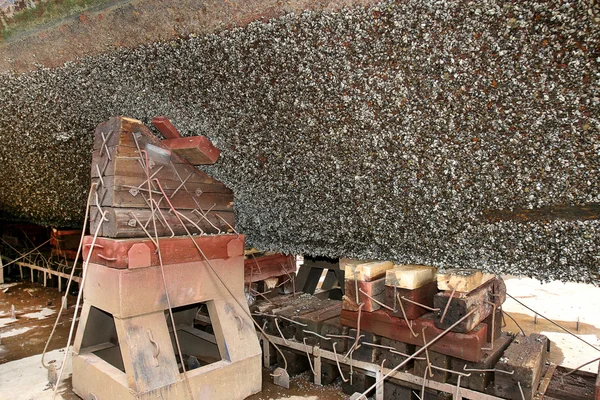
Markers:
(390, 312)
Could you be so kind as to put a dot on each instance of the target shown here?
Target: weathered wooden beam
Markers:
(483, 299)
(479, 380)
(123, 222)
(197, 150)
(115, 253)
(258, 268)
(459, 279)
(410, 276)
(373, 289)
(422, 295)
(525, 356)
(166, 127)
(466, 346)
(367, 271)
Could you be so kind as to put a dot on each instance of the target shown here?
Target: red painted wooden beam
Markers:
(165, 127)
(197, 150)
(466, 346)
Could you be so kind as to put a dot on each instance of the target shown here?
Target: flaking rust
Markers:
(375, 133)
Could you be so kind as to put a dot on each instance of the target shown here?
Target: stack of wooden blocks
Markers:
(396, 309)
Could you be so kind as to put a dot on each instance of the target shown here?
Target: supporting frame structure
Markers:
(370, 369)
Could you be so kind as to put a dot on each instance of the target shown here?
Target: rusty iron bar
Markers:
(493, 326)
(280, 333)
(448, 305)
(408, 323)
(487, 370)
(376, 301)
(338, 363)
(426, 352)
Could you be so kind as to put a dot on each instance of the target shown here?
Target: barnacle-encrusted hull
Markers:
(391, 132)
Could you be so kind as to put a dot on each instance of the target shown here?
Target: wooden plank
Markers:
(492, 291)
(466, 346)
(312, 280)
(479, 380)
(165, 127)
(122, 196)
(459, 279)
(410, 276)
(423, 295)
(258, 268)
(374, 289)
(546, 381)
(526, 357)
(367, 271)
(577, 386)
(197, 150)
(313, 322)
(122, 222)
(114, 253)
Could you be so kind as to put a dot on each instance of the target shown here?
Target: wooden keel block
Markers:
(526, 356)
(466, 346)
(114, 253)
(364, 352)
(166, 127)
(437, 359)
(331, 327)
(374, 289)
(410, 276)
(259, 268)
(368, 271)
(393, 359)
(314, 322)
(460, 279)
(343, 262)
(197, 150)
(423, 295)
(493, 291)
(479, 380)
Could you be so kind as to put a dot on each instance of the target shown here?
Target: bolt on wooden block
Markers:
(330, 327)
(459, 279)
(526, 356)
(410, 276)
(422, 295)
(367, 272)
(479, 380)
(374, 289)
(391, 357)
(483, 298)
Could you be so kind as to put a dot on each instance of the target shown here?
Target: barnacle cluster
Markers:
(369, 132)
